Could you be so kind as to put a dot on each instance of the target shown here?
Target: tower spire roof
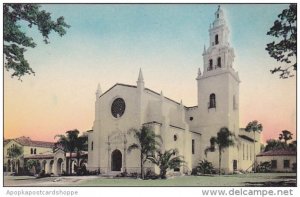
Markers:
(141, 78)
(199, 72)
(99, 91)
(219, 17)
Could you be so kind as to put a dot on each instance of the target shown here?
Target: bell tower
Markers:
(218, 88)
(219, 54)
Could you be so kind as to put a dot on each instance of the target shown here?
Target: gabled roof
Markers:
(117, 84)
(282, 152)
(26, 141)
(245, 137)
(6, 141)
(147, 89)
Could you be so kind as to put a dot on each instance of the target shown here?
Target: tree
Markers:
(34, 165)
(285, 30)
(223, 140)
(273, 144)
(147, 144)
(285, 135)
(166, 161)
(16, 41)
(293, 146)
(72, 142)
(254, 127)
(14, 152)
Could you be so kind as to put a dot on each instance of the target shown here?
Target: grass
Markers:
(259, 179)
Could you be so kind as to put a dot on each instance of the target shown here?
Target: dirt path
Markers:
(20, 181)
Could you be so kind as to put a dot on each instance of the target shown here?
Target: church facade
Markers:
(187, 129)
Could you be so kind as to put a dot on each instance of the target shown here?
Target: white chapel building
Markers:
(187, 129)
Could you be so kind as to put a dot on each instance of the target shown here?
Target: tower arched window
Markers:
(31, 151)
(210, 64)
(92, 146)
(217, 39)
(234, 103)
(34, 151)
(219, 62)
(212, 101)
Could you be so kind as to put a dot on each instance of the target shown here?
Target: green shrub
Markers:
(204, 167)
(264, 167)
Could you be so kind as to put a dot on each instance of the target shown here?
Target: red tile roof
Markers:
(277, 153)
(41, 156)
(26, 141)
(81, 153)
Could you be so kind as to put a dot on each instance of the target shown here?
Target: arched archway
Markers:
(44, 165)
(59, 166)
(51, 166)
(116, 160)
(8, 166)
(74, 166)
(83, 162)
(13, 166)
(18, 166)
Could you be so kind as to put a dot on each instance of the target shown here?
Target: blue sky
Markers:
(108, 43)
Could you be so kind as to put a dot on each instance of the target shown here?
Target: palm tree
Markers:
(146, 144)
(254, 127)
(166, 160)
(285, 135)
(223, 141)
(14, 152)
(72, 142)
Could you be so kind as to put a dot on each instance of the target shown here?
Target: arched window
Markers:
(243, 151)
(212, 101)
(234, 103)
(92, 146)
(217, 39)
(247, 152)
(31, 151)
(210, 64)
(219, 62)
(34, 151)
(175, 137)
(193, 146)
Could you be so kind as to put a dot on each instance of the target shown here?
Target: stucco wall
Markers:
(280, 159)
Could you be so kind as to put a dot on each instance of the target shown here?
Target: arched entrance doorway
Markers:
(116, 160)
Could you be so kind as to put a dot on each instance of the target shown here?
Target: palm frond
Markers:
(209, 149)
(132, 147)
(152, 159)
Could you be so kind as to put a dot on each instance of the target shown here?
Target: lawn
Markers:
(258, 179)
